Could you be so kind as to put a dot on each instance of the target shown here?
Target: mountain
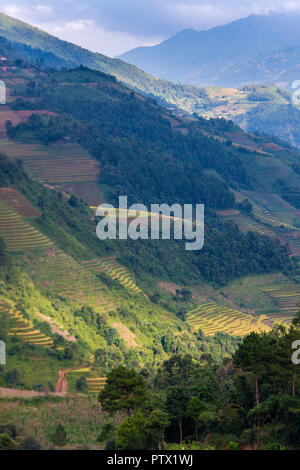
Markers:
(154, 322)
(249, 50)
(264, 109)
(19, 40)
(33, 45)
(72, 301)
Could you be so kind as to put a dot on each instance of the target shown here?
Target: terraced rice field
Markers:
(212, 318)
(18, 234)
(293, 242)
(59, 163)
(17, 202)
(287, 295)
(247, 224)
(62, 276)
(96, 384)
(270, 220)
(278, 319)
(270, 201)
(24, 329)
(114, 270)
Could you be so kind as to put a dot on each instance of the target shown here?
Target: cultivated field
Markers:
(287, 294)
(247, 224)
(59, 163)
(114, 270)
(96, 384)
(61, 276)
(24, 329)
(212, 318)
(81, 416)
(18, 235)
(17, 202)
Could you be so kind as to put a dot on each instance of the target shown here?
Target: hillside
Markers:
(25, 42)
(109, 148)
(76, 311)
(263, 109)
(257, 49)
(246, 105)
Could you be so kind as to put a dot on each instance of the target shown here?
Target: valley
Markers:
(105, 334)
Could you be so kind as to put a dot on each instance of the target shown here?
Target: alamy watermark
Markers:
(2, 92)
(296, 94)
(2, 353)
(296, 354)
(161, 222)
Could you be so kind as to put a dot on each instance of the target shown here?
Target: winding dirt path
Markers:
(62, 383)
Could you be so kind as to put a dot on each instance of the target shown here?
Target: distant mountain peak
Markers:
(212, 57)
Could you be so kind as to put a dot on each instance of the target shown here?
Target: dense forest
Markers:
(251, 401)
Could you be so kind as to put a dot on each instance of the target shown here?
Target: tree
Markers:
(283, 367)
(194, 408)
(13, 377)
(176, 370)
(207, 420)
(177, 400)
(245, 206)
(107, 432)
(81, 384)
(253, 355)
(132, 434)
(59, 438)
(8, 125)
(156, 425)
(125, 390)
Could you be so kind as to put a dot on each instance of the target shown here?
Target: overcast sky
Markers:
(115, 26)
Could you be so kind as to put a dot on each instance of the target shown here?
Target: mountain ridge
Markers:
(196, 58)
(48, 51)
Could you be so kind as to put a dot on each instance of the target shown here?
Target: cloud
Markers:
(17, 11)
(113, 26)
(78, 25)
(44, 9)
(88, 34)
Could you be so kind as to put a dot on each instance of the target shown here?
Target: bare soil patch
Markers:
(127, 335)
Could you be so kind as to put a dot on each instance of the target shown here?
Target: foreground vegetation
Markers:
(250, 401)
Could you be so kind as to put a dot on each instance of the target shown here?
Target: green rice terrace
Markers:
(286, 294)
(114, 270)
(65, 166)
(271, 216)
(62, 276)
(18, 234)
(212, 318)
(24, 329)
(95, 385)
